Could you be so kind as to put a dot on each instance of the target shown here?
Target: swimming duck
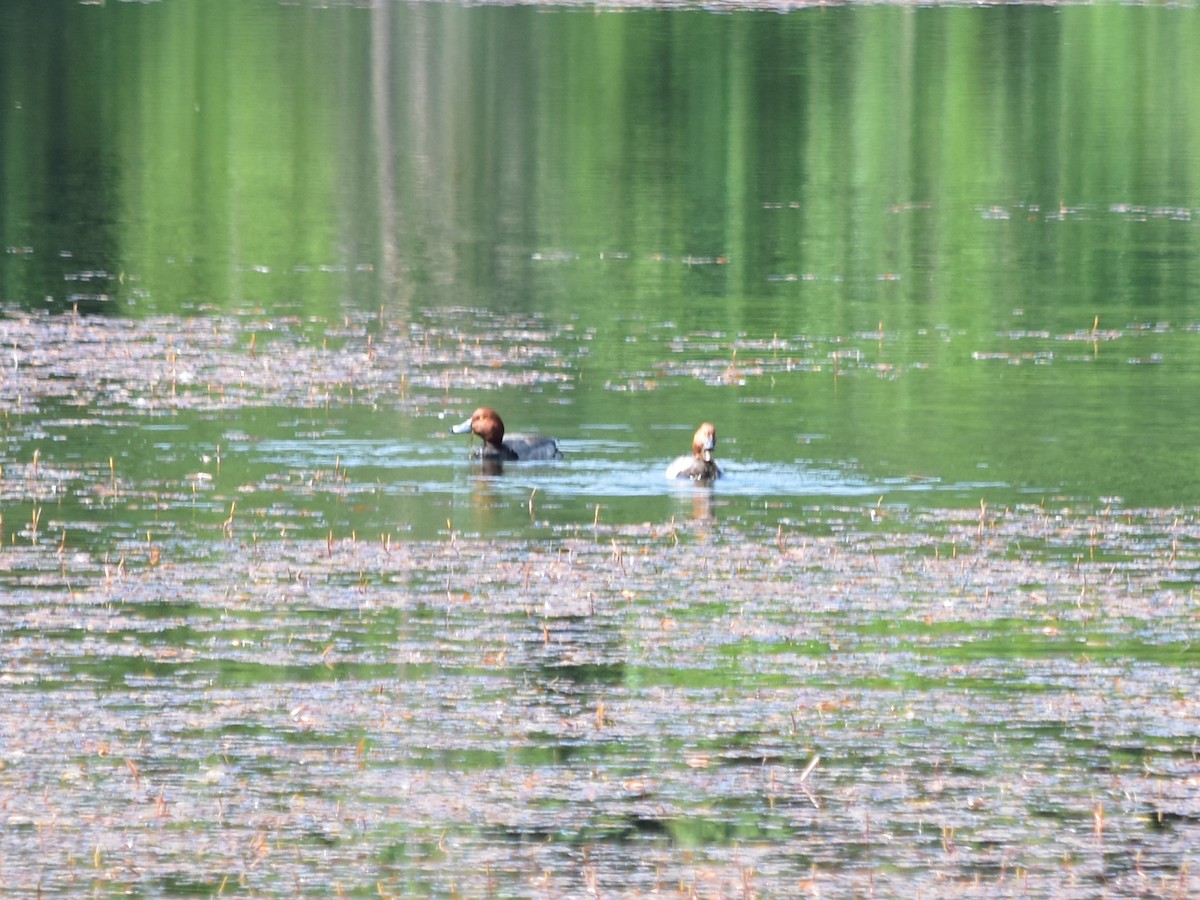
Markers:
(700, 466)
(496, 445)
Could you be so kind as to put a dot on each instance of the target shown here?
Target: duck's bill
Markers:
(462, 427)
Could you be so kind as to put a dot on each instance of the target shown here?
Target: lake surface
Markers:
(931, 271)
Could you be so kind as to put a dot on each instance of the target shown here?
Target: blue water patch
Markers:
(597, 469)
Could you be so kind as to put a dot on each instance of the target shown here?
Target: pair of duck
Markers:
(485, 423)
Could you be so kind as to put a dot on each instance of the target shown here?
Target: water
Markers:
(930, 271)
(991, 287)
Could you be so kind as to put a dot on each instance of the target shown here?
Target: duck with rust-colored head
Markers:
(508, 448)
(700, 466)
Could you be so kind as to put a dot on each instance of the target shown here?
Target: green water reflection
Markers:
(923, 242)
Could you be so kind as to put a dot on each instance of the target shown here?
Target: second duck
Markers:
(700, 466)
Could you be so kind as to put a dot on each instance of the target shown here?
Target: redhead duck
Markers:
(700, 466)
(497, 446)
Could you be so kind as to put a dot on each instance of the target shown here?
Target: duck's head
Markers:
(485, 423)
(705, 441)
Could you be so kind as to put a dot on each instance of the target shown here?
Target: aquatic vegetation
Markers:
(159, 364)
(246, 670)
(933, 700)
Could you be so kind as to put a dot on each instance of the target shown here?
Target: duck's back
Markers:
(532, 446)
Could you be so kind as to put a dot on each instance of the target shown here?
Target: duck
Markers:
(700, 466)
(486, 423)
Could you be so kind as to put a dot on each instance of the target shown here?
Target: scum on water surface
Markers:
(225, 362)
(845, 700)
(221, 362)
(938, 703)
